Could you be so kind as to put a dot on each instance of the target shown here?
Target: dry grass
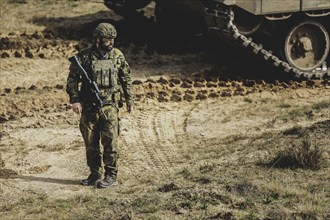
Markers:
(305, 111)
(305, 155)
(30, 16)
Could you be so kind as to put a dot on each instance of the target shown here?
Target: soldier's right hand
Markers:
(76, 107)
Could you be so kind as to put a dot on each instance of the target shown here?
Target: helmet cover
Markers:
(105, 30)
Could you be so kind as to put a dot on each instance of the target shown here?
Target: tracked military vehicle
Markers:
(292, 35)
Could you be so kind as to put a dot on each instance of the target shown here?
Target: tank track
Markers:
(268, 56)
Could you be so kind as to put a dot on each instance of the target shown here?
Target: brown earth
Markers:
(202, 143)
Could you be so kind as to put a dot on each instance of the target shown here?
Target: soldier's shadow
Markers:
(46, 180)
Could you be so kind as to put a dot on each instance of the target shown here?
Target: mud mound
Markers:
(204, 86)
(163, 89)
(28, 103)
(38, 45)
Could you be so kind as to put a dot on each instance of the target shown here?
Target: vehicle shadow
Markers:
(136, 28)
(138, 33)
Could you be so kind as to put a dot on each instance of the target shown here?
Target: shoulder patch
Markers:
(83, 53)
(117, 53)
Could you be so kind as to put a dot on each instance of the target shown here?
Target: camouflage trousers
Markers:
(96, 131)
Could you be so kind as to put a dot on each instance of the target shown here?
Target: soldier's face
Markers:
(107, 43)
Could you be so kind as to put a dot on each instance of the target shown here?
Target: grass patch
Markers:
(199, 199)
(299, 112)
(248, 100)
(78, 207)
(295, 131)
(265, 100)
(284, 105)
(321, 105)
(226, 120)
(234, 138)
(206, 168)
(147, 204)
(306, 155)
(186, 173)
(305, 111)
(52, 148)
(168, 187)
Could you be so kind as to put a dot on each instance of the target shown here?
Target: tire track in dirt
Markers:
(151, 141)
(165, 128)
(138, 151)
(155, 139)
(133, 144)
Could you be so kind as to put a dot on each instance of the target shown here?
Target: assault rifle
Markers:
(92, 85)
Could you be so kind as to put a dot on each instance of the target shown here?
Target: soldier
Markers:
(106, 66)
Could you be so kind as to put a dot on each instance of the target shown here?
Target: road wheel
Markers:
(307, 45)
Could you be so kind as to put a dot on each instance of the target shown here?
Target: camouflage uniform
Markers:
(111, 72)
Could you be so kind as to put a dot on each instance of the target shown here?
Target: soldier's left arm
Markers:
(124, 74)
(72, 84)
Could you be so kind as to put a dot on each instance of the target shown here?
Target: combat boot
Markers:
(91, 179)
(108, 181)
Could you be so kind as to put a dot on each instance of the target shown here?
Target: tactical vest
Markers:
(105, 74)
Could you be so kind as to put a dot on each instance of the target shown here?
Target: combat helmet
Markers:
(105, 30)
